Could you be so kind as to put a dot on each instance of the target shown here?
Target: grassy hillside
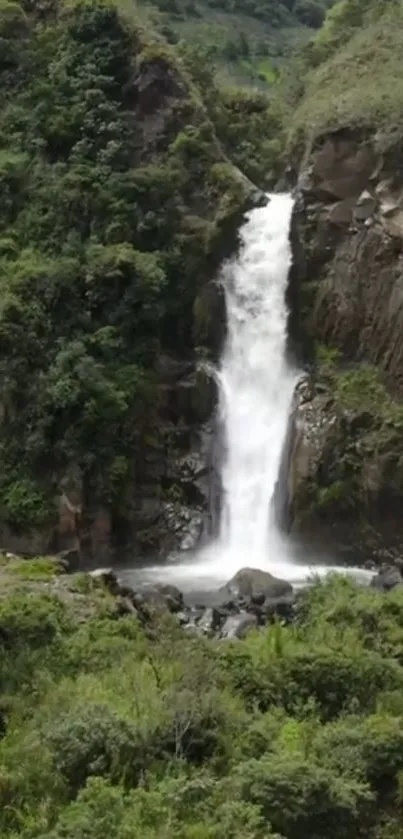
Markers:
(246, 41)
(352, 72)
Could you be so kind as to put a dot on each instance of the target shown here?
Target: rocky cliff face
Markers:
(345, 471)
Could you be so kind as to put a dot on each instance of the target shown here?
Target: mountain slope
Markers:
(117, 203)
(346, 137)
(351, 72)
(246, 40)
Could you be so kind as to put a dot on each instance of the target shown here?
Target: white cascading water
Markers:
(256, 384)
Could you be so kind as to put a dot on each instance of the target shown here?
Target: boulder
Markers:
(107, 578)
(393, 223)
(387, 579)
(256, 585)
(194, 398)
(125, 606)
(341, 166)
(209, 621)
(365, 206)
(237, 626)
(278, 607)
(70, 560)
(314, 432)
(341, 213)
(161, 598)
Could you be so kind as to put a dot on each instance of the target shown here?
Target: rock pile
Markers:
(250, 599)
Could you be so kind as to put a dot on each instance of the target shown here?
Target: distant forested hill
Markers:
(247, 39)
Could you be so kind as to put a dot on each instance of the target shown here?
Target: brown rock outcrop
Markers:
(344, 473)
(349, 221)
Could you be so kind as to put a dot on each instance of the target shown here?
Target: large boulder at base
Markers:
(255, 585)
(160, 598)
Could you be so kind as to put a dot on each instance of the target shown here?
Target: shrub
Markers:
(95, 741)
(31, 621)
(301, 798)
(371, 749)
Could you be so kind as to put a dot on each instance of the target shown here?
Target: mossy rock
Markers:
(345, 475)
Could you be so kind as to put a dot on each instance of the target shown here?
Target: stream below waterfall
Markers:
(256, 385)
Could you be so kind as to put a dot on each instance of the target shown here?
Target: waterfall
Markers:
(256, 383)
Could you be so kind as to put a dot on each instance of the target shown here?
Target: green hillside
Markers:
(351, 73)
(246, 41)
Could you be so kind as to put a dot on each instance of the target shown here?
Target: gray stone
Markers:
(387, 579)
(209, 320)
(163, 597)
(171, 369)
(124, 606)
(237, 626)
(70, 560)
(251, 582)
(106, 577)
(365, 206)
(305, 182)
(278, 606)
(209, 621)
(393, 224)
(389, 207)
(341, 167)
(341, 213)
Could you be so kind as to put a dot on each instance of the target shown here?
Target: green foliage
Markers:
(30, 622)
(294, 732)
(94, 742)
(300, 798)
(361, 472)
(107, 232)
(40, 568)
(247, 41)
(350, 73)
(25, 504)
(247, 122)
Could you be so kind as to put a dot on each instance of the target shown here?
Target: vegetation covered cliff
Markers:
(345, 138)
(118, 201)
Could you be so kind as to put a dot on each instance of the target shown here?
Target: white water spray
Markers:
(256, 384)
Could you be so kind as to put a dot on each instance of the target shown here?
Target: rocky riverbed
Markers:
(252, 598)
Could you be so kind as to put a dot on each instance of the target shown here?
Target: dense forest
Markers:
(118, 199)
(125, 168)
